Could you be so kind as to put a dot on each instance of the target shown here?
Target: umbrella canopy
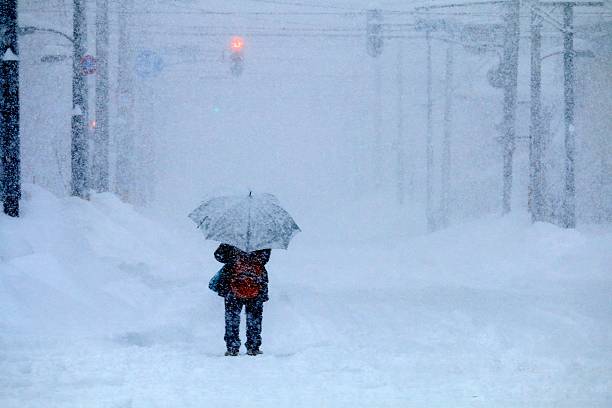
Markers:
(249, 222)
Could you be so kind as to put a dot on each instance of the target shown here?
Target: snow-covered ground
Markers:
(101, 306)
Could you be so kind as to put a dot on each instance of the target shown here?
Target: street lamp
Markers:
(577, 53)
(31, 30)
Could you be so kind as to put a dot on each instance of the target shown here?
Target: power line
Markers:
(299, 4)
(282, 29)
(308, 13)
(257, 34)
(253, 13)
(466, 4)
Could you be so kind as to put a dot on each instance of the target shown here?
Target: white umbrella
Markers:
(249, 222)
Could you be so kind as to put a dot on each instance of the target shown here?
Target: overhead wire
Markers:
(301, 4)
(281, 28)
(255, 34)
(298, 29)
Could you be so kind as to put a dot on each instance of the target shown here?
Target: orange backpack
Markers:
(246, 279)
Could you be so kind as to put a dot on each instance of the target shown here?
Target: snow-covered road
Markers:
(129, 321)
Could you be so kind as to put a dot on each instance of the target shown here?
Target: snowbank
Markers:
(89, 267)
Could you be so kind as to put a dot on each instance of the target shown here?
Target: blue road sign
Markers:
(148, 64)
(88, 64)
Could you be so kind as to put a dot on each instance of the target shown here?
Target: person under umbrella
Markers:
(248, 227)
(243, 281)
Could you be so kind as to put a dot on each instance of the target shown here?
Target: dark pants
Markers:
(254, 310)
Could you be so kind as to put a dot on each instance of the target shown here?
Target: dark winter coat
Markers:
(228, 254)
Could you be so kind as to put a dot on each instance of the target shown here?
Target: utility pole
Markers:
(377, 124)
(100, 165)
(9, 120)
(569, 198)
(399, 143)
(431, 224)
(510, 75)
(79, 144)
(124, 180)
(374, 48)
(568, 216)
(536, 175)
(446, 141)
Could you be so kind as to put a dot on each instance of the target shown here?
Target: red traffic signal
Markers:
(236, 44)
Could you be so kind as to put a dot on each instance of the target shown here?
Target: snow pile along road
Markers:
(103, 307)
(71, 266)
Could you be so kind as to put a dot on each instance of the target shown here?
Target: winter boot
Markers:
(254, 352)
(232, 353)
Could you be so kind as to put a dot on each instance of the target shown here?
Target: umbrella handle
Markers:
(202, 222)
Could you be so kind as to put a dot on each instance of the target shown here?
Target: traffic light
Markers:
(236, 56)
(374, 39)
(237, 44)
